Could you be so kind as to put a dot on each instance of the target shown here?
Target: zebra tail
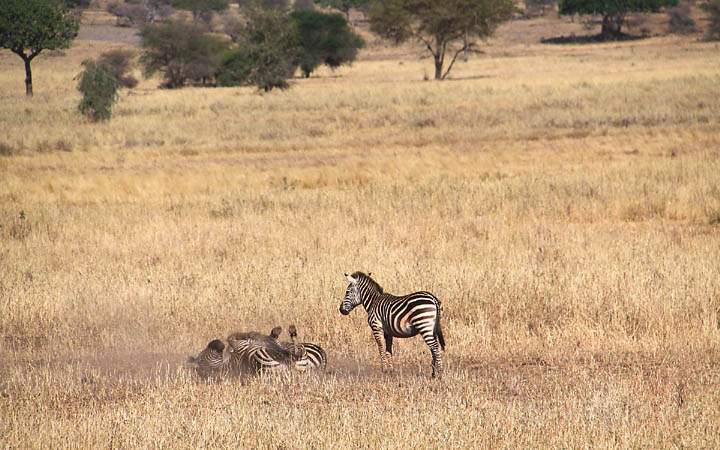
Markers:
(438, 330)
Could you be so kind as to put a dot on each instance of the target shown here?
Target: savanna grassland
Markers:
(562, 201)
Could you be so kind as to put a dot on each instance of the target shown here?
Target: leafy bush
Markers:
(119, 62)
(680, 21)
(324, 39)
(613, 12)
(182, 52)
(235, 68)
(99, 89)
(268, 45)
(712, 7)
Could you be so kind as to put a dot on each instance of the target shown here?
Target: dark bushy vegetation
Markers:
(266, 53)
(613, 12)
(99, 89)
(680, 21)
(712, 8)
(235, 68)
(182, 51)
(324, 39)
(119, 63)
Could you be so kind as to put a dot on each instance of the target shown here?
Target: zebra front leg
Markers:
(388, 351)
(378, 335)
(437, 363)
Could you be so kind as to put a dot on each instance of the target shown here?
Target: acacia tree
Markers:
(181, 51)
(442, 26)
(613, 12)
(267, 51)
(324, 39)
(27, 27)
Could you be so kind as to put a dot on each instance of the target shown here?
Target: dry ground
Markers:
(562, 201)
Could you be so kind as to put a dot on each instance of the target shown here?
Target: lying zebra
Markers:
(212, 362)
(314, 357)
(254, 353)
(257, 353)
(392, 316)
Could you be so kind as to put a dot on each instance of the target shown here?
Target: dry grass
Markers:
(562, 201)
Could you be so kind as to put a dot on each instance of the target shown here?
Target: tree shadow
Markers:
(469, 77)
(591, 39)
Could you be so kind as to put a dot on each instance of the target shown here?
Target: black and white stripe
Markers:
(391, 316)
(312, 356)
(253, 353)
(212, 362)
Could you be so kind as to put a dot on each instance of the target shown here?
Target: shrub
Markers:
(182, 52)
(235, 68)
(267, 44)
(680, 21)
(118, 63)
(324, 39)
(712, 7)
(613, 12)
(99, 89)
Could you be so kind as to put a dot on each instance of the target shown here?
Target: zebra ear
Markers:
(350, 279)
(369, 274)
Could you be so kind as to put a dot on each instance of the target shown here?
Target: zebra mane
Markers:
(372, 283)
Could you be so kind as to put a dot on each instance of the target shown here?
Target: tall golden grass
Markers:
(563, 202)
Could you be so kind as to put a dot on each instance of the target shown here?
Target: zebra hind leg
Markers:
(437, 363)
(388, 352)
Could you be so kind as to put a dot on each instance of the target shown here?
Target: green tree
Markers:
(235, 68)
(99, 89)
(345, 5)
(119, 63)
(712, 8)
(324, 39)
(613, 12)
(201, 9)
(442, 26)
(266, 53)
(181, 51)
(27, 27)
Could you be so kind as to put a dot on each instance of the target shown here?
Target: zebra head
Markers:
(352, 298)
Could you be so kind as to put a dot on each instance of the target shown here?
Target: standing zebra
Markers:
(390, 316)
(314, 357)
(256, 353)
(212, 362)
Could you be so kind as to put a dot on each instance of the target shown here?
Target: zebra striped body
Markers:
(256, 353)
(313, 356)
(212, 362)
(391, 316)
